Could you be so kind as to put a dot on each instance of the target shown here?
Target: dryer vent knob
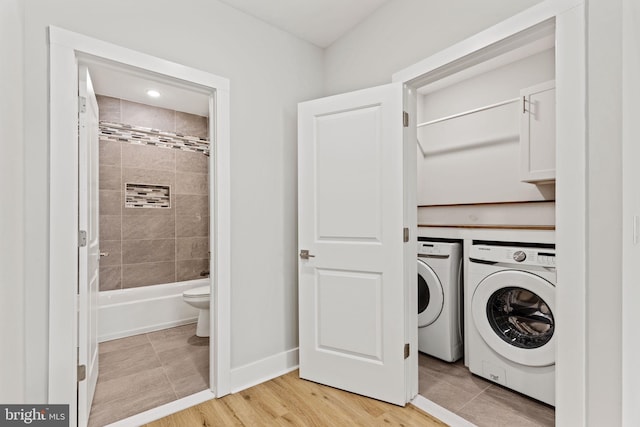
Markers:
(519, 256)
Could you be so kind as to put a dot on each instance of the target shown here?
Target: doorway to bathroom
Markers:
(160, 233)
(153, 154)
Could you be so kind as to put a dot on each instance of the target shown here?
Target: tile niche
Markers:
(158, 231)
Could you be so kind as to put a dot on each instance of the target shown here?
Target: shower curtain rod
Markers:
(475, 110)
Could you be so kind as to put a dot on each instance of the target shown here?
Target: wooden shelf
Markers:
(494, 226)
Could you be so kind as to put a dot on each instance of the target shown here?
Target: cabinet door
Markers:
(538, 133)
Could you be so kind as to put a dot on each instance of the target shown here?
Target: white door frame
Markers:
(571, 174)
(630, 214)
(65, 49)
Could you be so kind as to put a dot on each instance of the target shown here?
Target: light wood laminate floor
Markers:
(290, 401)
(145, 371)
(477, 400)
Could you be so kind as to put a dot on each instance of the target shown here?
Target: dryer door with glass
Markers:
(514, 313)
(430, 295)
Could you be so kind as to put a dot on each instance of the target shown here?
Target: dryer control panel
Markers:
(542, 257)
(436, 249)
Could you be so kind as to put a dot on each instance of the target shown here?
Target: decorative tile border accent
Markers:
(147, 136)
(147, 196)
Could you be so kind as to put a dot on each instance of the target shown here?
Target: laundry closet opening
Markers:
(486, 223)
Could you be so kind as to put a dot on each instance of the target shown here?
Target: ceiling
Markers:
(320, 22)
(123, 82)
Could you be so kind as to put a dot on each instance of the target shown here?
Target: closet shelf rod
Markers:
(465, 113)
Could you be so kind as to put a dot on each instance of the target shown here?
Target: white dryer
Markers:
(439, 327)
(511, 297)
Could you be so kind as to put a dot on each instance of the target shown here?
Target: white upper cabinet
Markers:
(538, 133)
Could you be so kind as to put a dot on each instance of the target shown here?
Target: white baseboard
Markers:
(263, 370)
(440, 413)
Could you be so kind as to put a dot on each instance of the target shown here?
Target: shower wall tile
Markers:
(114, 250)
(148, 157)
(147, 176)
(110, 177)
(187, 161)
(145, 274)
(147, 116)
(148, 227)
(110, 278)
(142, 244)
(109, 108)
(192, 248)
(190, 124)
(152, 212)
(139, 135)
(109, 152)
(155, 250)
(110, 227)
(192, 226)
(192, 269)
(187, 204)
(111, 202)
(192, 183)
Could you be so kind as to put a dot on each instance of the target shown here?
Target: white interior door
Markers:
(353, 286)
(89, 253)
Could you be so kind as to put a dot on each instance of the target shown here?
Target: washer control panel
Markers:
(542, 257)
(519, 256)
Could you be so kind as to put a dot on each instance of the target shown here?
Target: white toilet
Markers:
(199, 298)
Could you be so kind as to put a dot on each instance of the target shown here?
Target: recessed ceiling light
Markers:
(153, 93)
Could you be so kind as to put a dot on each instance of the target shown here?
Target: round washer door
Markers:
(430, 295)
(513, 312)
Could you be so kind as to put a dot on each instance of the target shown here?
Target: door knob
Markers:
(304, 254)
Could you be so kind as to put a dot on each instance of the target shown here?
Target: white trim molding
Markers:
(630, 214)
(263, 370)
(164, 410)
(446, 416)
(66, 49)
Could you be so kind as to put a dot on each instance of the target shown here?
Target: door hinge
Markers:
(82, 238)
(82, 104)
(405, 234)
(407, 350)
(82, 372)
(405, 119)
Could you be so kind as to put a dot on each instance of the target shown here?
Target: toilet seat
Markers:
(202, 291)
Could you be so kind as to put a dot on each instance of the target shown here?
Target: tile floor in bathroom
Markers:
(144, 371)
(477, 400)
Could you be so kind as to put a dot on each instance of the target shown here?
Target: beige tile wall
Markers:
(152, 246)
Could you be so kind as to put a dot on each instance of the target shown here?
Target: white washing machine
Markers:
(439, 326)
(511, 299)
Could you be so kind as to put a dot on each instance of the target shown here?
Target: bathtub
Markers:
(127, 312)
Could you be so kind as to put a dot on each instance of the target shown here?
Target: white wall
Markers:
(402, 32)
(270, 71)
(604, 195)
(486, 143)
(12, 365)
